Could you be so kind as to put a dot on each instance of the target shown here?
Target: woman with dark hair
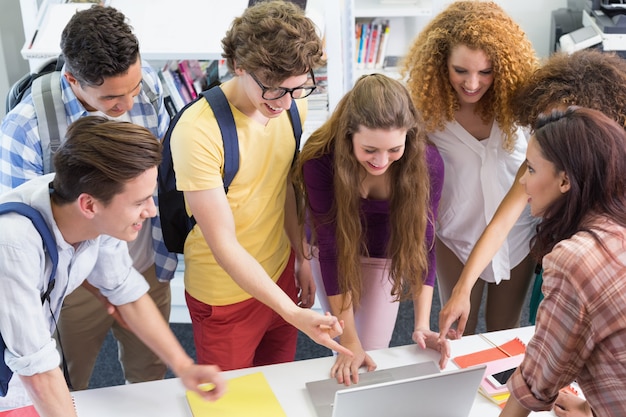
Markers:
(576, 182)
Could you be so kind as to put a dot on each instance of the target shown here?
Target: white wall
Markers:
(12, 65)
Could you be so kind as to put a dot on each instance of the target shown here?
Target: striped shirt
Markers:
(581, 325)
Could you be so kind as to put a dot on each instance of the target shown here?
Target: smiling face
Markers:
(543, 184)
(377, 149)
(470, 73)
(124, 216)
(115, 96)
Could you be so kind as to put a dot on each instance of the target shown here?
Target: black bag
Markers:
(22, 86)
(175, 222)
(50, 245)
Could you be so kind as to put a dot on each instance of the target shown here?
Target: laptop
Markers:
(412, 390)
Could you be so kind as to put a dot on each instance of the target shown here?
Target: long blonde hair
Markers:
(375, 102)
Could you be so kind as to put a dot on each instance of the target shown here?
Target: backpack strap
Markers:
(226, 122)
(49, 242)
(296, 124)
(51, 117)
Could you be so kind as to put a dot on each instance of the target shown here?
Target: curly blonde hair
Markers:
(375, 102)
(477, 25)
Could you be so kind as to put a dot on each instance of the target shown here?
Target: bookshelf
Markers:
(405, 19)
(169, 29)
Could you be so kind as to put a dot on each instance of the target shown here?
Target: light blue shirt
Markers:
(25, 324)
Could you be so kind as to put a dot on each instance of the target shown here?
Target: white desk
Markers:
(166, 398)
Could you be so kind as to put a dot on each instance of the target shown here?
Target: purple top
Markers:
(318, 177)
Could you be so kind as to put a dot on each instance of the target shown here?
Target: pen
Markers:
(32, 41)
(494, 345)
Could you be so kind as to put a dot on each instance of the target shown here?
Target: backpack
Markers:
(50, 246)
(47, 96)
(175, 222)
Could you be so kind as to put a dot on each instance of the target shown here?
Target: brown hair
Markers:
(375, 102)
(98, 43)
(591, 149)
(274, 40)
(586, 78)
(100, 156)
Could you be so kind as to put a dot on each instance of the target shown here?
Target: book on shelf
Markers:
(373, 44)
(382, 45)
(187, 78)
(362, 41)
(168, 82)
(180, 86)
(371, 40)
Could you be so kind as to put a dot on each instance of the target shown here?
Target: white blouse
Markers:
(478, 174)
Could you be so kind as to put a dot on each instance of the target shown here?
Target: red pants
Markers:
(244, 334)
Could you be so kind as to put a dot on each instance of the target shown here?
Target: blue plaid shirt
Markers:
(21, 156)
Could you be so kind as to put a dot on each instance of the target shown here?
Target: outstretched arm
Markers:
(144, 319)
(458, 306)
(214, 217)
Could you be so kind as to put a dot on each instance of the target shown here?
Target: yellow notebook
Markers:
(249, 395)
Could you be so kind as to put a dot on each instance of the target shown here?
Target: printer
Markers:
(603, 27)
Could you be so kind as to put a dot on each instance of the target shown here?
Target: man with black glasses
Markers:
(248, 284)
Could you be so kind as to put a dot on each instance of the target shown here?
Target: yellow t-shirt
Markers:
(256, 195)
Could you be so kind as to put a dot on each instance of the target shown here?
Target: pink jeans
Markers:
(375, 318)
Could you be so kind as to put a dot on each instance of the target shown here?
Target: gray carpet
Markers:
(107, 371)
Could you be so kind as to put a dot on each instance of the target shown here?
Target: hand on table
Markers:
(205, 380)
(346, 368)
(426, 338)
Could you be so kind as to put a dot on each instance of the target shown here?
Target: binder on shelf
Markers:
(168, 81)
(362, 42)
(382, 45)
(187, 78)
(373, 44)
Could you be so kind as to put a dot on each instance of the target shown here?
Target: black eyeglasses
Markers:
(274, 93)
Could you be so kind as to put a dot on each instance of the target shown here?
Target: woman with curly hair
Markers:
(370, 185)
(586, 78)
(463, 70)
